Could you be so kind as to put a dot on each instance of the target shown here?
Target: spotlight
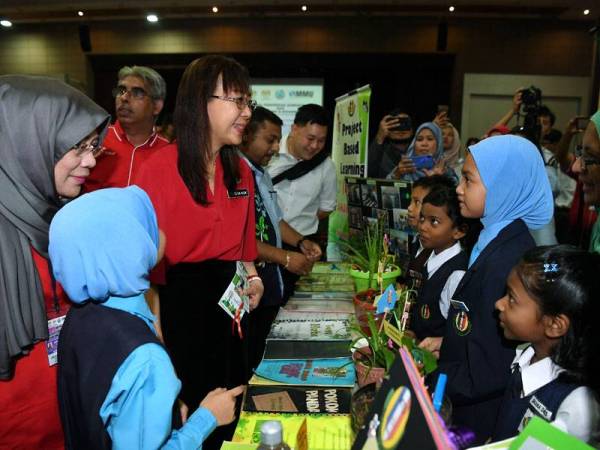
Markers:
(6, 23)
(80, 13)
(586, 12)
(152, 18)
(215, 9)
(451, 9)
(304, 8)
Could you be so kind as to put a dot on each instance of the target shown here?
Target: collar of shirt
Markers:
(133, 305)
(436, 261)
(537, 374)
(122, 136)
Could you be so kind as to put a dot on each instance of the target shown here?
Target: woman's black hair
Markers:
(192, 125)
(444, 195)
(565, 280)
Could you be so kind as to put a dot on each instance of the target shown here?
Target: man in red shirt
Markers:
(132, 139)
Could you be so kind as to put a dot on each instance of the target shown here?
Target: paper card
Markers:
(275, 402)
(54, 327)
(388, 299)
(393, 333)
(233, 296)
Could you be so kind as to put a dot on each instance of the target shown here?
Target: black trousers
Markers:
(198, 334)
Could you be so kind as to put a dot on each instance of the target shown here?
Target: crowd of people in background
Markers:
(171, 213)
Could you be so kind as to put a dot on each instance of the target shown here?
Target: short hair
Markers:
(433, 181)
(545, 111)
(260, 115)
(446, 197)
(311, 113)
(154, 81)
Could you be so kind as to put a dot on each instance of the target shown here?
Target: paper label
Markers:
(54, 327)
(275, 402)
(393, 333)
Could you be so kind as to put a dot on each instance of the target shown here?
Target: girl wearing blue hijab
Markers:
(428, 140)
(504, 183)
(117, 386)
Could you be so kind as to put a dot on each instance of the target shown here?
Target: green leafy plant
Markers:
(366, 251)
(381, 355)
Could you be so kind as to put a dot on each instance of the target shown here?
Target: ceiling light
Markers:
(152, 18)
(215, 9)
(586, 12)
(80, 13)
(304, 8)
(6, 23)
(451, 9)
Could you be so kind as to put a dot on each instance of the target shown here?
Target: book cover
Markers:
(339, 288)
(297, 399)
(298, 349)
(312, 372)
(323, 295)
(324, 431)
(334, 281)
(310, 330)
(309, 305)
(402, 415)
(330, 267)
(295, 314)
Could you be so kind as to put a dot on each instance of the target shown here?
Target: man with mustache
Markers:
(132, 139)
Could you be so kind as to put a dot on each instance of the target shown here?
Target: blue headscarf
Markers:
(516, 183)
(104, 244)
(439, 151)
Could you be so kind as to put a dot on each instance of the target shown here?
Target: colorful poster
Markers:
(311, 372)
(349, 153)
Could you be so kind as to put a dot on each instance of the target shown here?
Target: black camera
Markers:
(531, 96)
(531, 99)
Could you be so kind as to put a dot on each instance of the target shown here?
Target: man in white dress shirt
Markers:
(303, 176)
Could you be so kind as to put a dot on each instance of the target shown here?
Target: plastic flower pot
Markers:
(361, 279)
(364, 373)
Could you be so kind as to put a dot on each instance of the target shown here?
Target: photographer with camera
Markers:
(574, 220)
(391, 142)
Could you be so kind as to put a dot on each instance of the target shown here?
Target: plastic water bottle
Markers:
(271, 436)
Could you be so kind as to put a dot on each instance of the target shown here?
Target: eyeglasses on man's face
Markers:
(135, 92)
(92, 147)
(241, 101)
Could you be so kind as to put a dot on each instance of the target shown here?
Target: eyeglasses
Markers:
(93, 147)
(135, 92)
(585, 160)
(240, 102)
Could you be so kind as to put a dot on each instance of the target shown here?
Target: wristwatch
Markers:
(300, 241)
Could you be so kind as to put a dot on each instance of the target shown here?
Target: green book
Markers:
(539, 434)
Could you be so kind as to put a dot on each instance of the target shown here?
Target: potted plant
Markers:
(373, 360)
(372, 265)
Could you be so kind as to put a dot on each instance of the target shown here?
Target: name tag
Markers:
(237, 193)
(461, 306)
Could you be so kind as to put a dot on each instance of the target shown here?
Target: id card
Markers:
(233, 296)
(54, 327)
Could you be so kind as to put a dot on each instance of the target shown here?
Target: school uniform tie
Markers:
(515, 384)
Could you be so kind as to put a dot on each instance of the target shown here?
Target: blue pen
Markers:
(438, 395)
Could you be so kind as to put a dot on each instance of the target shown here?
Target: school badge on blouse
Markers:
(462, 323)
(425, 312)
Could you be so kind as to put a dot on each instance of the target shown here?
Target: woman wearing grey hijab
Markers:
(50, 134)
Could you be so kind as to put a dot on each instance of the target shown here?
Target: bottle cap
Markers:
(271, 432)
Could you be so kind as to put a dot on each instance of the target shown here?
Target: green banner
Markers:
(349, 153)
